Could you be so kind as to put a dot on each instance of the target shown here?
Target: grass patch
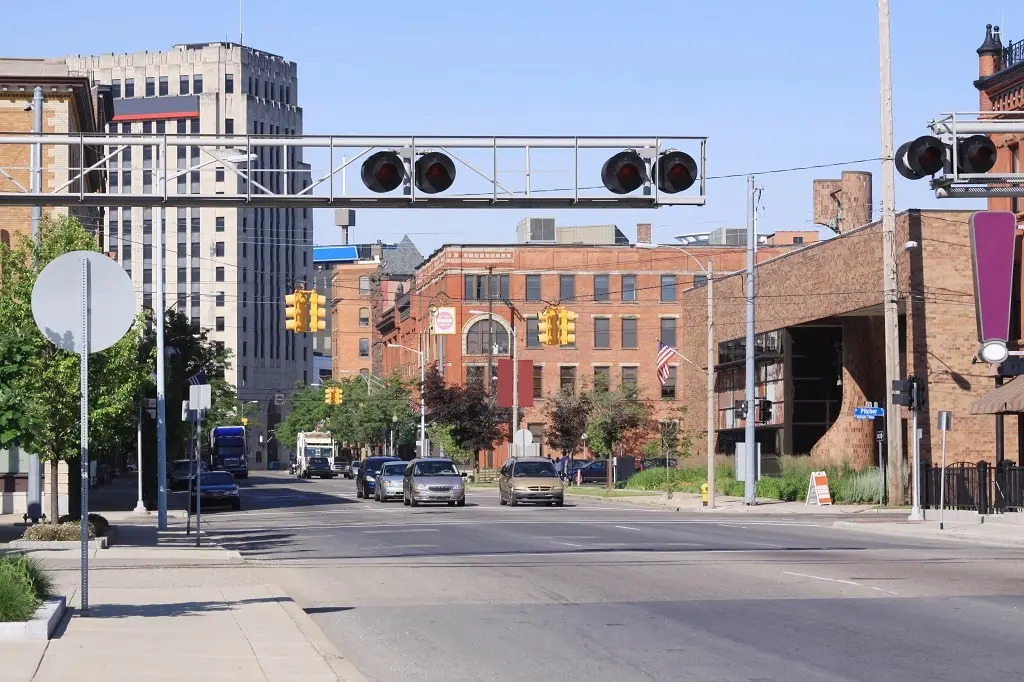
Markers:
(24, 584)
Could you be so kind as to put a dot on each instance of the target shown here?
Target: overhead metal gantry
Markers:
(953, 129)
(413, 171)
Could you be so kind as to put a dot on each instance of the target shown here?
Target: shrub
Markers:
(23, 585)
(57, 532)
(99, 522)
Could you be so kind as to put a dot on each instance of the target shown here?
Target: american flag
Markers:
(198, 379)
(665, 354)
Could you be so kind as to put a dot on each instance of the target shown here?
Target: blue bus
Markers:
(230, 450)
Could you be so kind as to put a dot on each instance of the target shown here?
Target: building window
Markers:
(533, 288)
(220, 274)
(219, 223)
(668, 331)
(538, 381)
(480, 288)
(567, 287)
(229, 126)
(150, 86)
(798, 240)
(485, 333)
(629, 287)
(164, 86)
(601, 291)
(220, 302)
(218, 175)
(219, 323)
(668, 288)
(218, 249)
(629, 332)
(197, 84)
(364, 348)
(629, 376)
(129, 87)
(567, 379)
(364, 286)
(364, 317)
(602, 332)
(532, 333)
(115, 88)
(702, 280)
(668, 390)
(229, 84)
(602, 378)
(183, 85)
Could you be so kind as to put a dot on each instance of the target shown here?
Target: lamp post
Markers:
(708, 271)
(423, 404)
(394, 424)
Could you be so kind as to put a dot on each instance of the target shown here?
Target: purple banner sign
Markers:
(992, 249)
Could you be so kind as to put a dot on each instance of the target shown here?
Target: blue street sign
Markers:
(868, 412)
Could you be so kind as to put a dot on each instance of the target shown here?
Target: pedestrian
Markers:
(560, 467)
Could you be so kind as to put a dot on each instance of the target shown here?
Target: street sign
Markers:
(523, 438)
(444, 321)
(199, 397)
(945, 420)
(868, 412)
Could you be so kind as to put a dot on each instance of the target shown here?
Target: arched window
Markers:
(484, 332)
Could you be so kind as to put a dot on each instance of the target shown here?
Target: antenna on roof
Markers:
(240, 22)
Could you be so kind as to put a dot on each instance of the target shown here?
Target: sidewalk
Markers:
(992, 531)
(690, 502)
(160, 609)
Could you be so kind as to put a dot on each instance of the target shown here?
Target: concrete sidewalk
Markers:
(690, 502)
(162, 610)
(992, 531)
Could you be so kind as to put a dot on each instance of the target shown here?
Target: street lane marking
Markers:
(838, 580)
(567, 544)
(387, 547)
(628, 528)
(759, 544)
(406, 530)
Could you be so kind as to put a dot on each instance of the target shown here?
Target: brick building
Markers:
(626, 297)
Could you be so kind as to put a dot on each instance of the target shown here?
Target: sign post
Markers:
(945, 424)
(95, 320)
(199, 401)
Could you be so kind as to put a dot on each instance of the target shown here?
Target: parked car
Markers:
(353, 468)
(594, 472)
(389, 481)
(530, 479)
(319, 467)
(182, 470)
(368, 473)
(342, 467)
(433, 479)
(216, 488)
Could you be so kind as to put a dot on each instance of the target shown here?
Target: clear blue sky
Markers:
(772, 84)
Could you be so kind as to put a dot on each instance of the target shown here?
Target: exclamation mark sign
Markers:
(992, 250)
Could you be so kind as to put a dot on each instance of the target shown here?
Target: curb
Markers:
(40, 627)
(929, 534)
(600, 499)
(338, 663)
(99, 543)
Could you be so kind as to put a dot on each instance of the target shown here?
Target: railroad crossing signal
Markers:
(317, 311)
(566, 327)
(928, 155)
(297, 311)
(547, 327)
(333, 395)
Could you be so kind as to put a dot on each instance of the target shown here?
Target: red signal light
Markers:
(435, 173)
(625, 172)
(383, 171)
(923, 157)
(976, 154)
(675, 172)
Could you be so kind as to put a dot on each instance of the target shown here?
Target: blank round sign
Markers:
(57, 301)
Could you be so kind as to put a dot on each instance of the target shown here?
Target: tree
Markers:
(476, 422)
(368, 416)
(46, 379)
(615, 414)
(306, 409)
(441, 435)
(568, 414)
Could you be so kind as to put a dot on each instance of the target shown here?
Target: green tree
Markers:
(441, 435)
(367, 416)
(48, 385)
(568, 414)
(306, 409)
(615, 414)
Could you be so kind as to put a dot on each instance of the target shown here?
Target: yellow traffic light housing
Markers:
(547, 327)
(297, 311)
(566, 327)
(317, 312)
(333, 395)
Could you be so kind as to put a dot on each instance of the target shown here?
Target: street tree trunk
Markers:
(54, 501)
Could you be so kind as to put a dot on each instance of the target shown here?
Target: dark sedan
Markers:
(368, 473)
(217, 488)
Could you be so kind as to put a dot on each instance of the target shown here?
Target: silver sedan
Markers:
(433, 479)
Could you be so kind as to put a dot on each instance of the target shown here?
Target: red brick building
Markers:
(626, 296)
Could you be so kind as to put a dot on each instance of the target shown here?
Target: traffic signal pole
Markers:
(161, 398)
(749, 436)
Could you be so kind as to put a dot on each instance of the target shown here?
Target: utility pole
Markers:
(160, 306)
(490, 346)
(750, 485)
(711, 385)
(894, 432)
(34, 501)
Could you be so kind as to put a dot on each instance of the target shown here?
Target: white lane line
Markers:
(759, 544)
(732, 525)
(400, 530)
(628, 528)
(387, 547)
(838, 580)
(567, 544)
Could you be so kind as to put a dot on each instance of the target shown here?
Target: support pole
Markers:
(515, 383)
(894, 430)
(711, 385)
(915, 510)
(160, 306)
(34, 501)
(423, 405)
(750, 485)
(140, 505)
(84, 434)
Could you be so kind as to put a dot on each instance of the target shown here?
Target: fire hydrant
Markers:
(704, 494)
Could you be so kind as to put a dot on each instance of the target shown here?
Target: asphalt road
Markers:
(596, 592)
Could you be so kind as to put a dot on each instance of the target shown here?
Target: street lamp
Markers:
(708, 272)
(423, 404)
(394, 425)
(515, 371)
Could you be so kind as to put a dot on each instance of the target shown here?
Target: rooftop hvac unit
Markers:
(728, 236)
(536, 230)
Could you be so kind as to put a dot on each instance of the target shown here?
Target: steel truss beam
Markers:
(268, 175)
(953, 184)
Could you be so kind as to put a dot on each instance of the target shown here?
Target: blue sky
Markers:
(774, 85)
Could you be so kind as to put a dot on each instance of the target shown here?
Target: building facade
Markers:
(627, 297)
(227, 269)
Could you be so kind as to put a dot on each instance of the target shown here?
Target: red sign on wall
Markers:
(505, 383)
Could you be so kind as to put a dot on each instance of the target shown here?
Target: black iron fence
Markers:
(975, 486)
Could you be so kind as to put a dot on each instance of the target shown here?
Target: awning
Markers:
(1008, 398)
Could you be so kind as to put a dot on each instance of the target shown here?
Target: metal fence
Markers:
(975, 486)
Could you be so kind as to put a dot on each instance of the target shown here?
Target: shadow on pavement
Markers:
(312, 610)
(250, 541)
(167, 610)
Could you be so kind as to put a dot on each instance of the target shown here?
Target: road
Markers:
(594, 593)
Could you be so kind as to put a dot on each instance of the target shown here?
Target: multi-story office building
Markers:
(227, 269)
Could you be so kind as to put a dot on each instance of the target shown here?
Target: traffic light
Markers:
(547, 327)
(317, 312)
(435, 173)
(625, 172)
(566, 327)
(333, 395)
(908, 392)
(976, 154)
(297, 311)
(765, 407)
(383, 171)
(674, 172)
(928, 155)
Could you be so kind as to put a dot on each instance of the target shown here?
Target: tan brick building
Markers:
(626, 298)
